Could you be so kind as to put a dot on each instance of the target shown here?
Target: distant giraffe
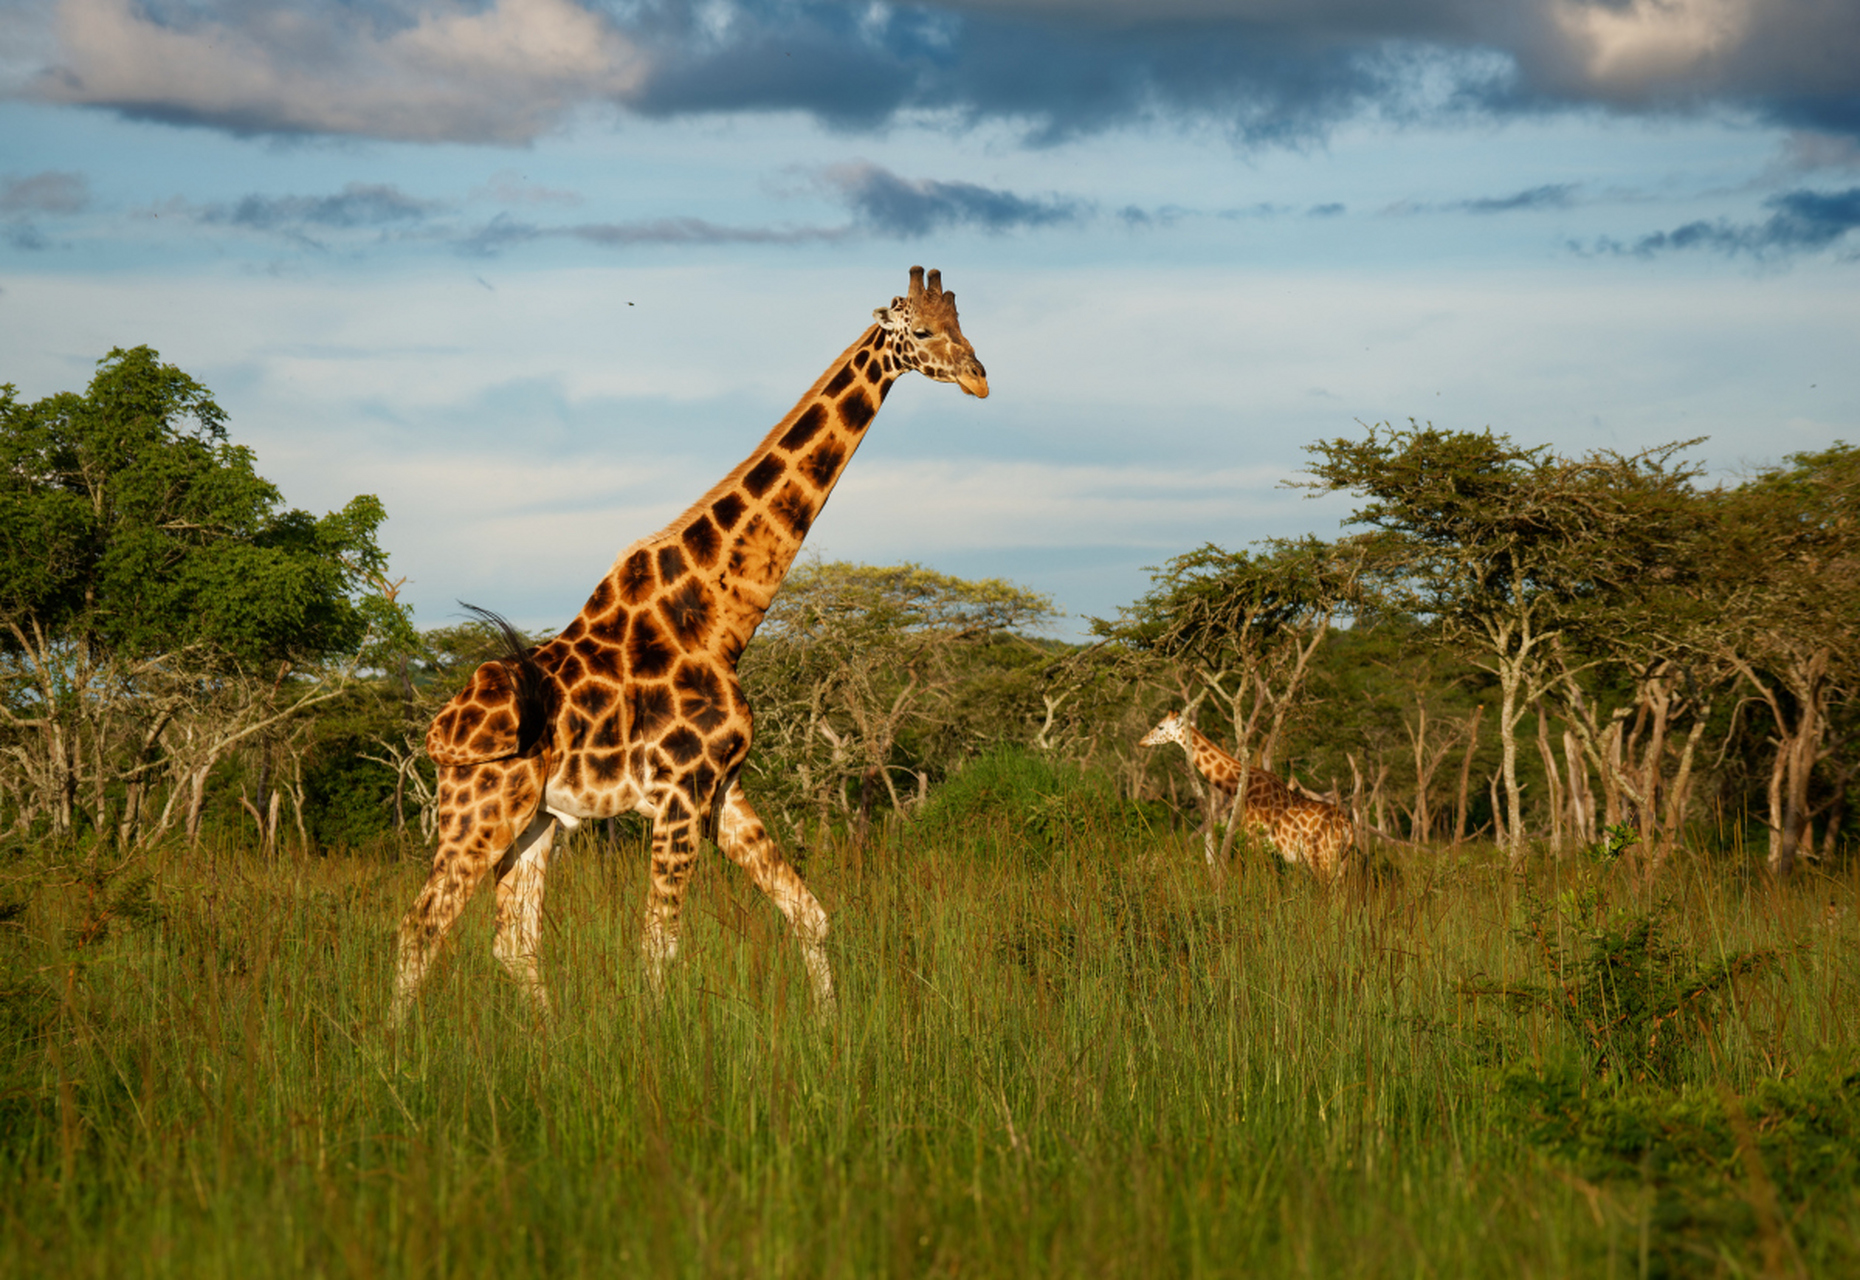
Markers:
(1299, 828)
(636, 705)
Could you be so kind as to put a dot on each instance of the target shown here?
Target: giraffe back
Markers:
(1301, 829)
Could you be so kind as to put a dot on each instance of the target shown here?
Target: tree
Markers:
(852, 659)
(1505, 549)
(1787, 619)
(158, 603)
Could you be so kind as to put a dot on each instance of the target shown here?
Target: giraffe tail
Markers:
(530, 681)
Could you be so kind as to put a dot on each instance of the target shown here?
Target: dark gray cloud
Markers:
(1056, 72)
(1270, 71)
(24, 236)
(886, 204)
(359, 205)
(1555, 195)
(53, 191)
(1802, 222)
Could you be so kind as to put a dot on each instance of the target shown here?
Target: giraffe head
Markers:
(922, 334)
(1169, 730)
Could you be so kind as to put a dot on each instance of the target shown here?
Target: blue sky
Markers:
(537, 272)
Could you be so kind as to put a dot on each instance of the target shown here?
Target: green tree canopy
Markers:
(1509, 550)
(155, 593)
(128, 522)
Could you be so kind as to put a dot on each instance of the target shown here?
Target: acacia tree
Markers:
(1788, 577)
(853, 658)
(1504, 549)
(158, 603)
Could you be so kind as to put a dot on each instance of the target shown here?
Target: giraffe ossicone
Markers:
(636, 706)
(1299, 828)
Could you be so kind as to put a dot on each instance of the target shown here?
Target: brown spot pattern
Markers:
(728, 509)
(702, 540)
(636, 580)
(671, 564)
(824, 463)
(857, 409)
(764, 474)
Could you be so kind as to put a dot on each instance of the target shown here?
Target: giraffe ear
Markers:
(887, 317)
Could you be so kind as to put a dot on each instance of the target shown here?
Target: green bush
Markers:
(1037, 804)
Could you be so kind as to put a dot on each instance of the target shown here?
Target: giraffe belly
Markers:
(571, 805)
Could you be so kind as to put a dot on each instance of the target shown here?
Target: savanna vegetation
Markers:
(1588, 1010)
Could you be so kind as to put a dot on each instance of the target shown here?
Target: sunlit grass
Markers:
(1065, 1053)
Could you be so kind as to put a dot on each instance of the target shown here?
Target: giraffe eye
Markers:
(920, 333)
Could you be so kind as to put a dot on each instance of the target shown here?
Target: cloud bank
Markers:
(1803, 222)
(884, 203)
(1269, 71)
(881, 203)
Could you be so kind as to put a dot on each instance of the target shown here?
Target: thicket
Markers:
(1504, 643)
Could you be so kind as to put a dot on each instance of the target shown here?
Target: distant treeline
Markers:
(1509, 645)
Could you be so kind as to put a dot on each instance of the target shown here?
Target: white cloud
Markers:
(1651, 39)
(500, 75)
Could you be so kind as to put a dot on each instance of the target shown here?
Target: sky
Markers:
(539, 272)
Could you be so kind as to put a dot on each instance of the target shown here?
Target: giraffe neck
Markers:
(1263, 790)
(1215, 765)
(745, 533)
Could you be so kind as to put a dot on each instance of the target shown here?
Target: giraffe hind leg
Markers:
(475, 833)
(674, 854)
(520, 877)
(745, 841)
(457, 869)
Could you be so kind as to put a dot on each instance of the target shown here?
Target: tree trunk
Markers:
(1581, 797)
(1508, 716)
(1466, 764)
(1552, 780)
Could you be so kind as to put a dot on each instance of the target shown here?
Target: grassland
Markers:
(1062, 1049)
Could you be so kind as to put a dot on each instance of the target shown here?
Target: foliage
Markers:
(1716, 1166)
(1507, 550)
(1634, 998)
(1036, 804)
(863, 675)
(1786, 549)
(128, 521)
(160, 607)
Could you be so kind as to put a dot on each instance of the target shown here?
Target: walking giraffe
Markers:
(636, 705)
(1299, 828)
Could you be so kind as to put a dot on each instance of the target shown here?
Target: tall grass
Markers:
(1062, 1049)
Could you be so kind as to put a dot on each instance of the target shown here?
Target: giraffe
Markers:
(1298, 827)
(636, 705)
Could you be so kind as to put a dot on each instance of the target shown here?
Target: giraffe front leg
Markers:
(519, 905)
(745, 841)
(674, 853)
